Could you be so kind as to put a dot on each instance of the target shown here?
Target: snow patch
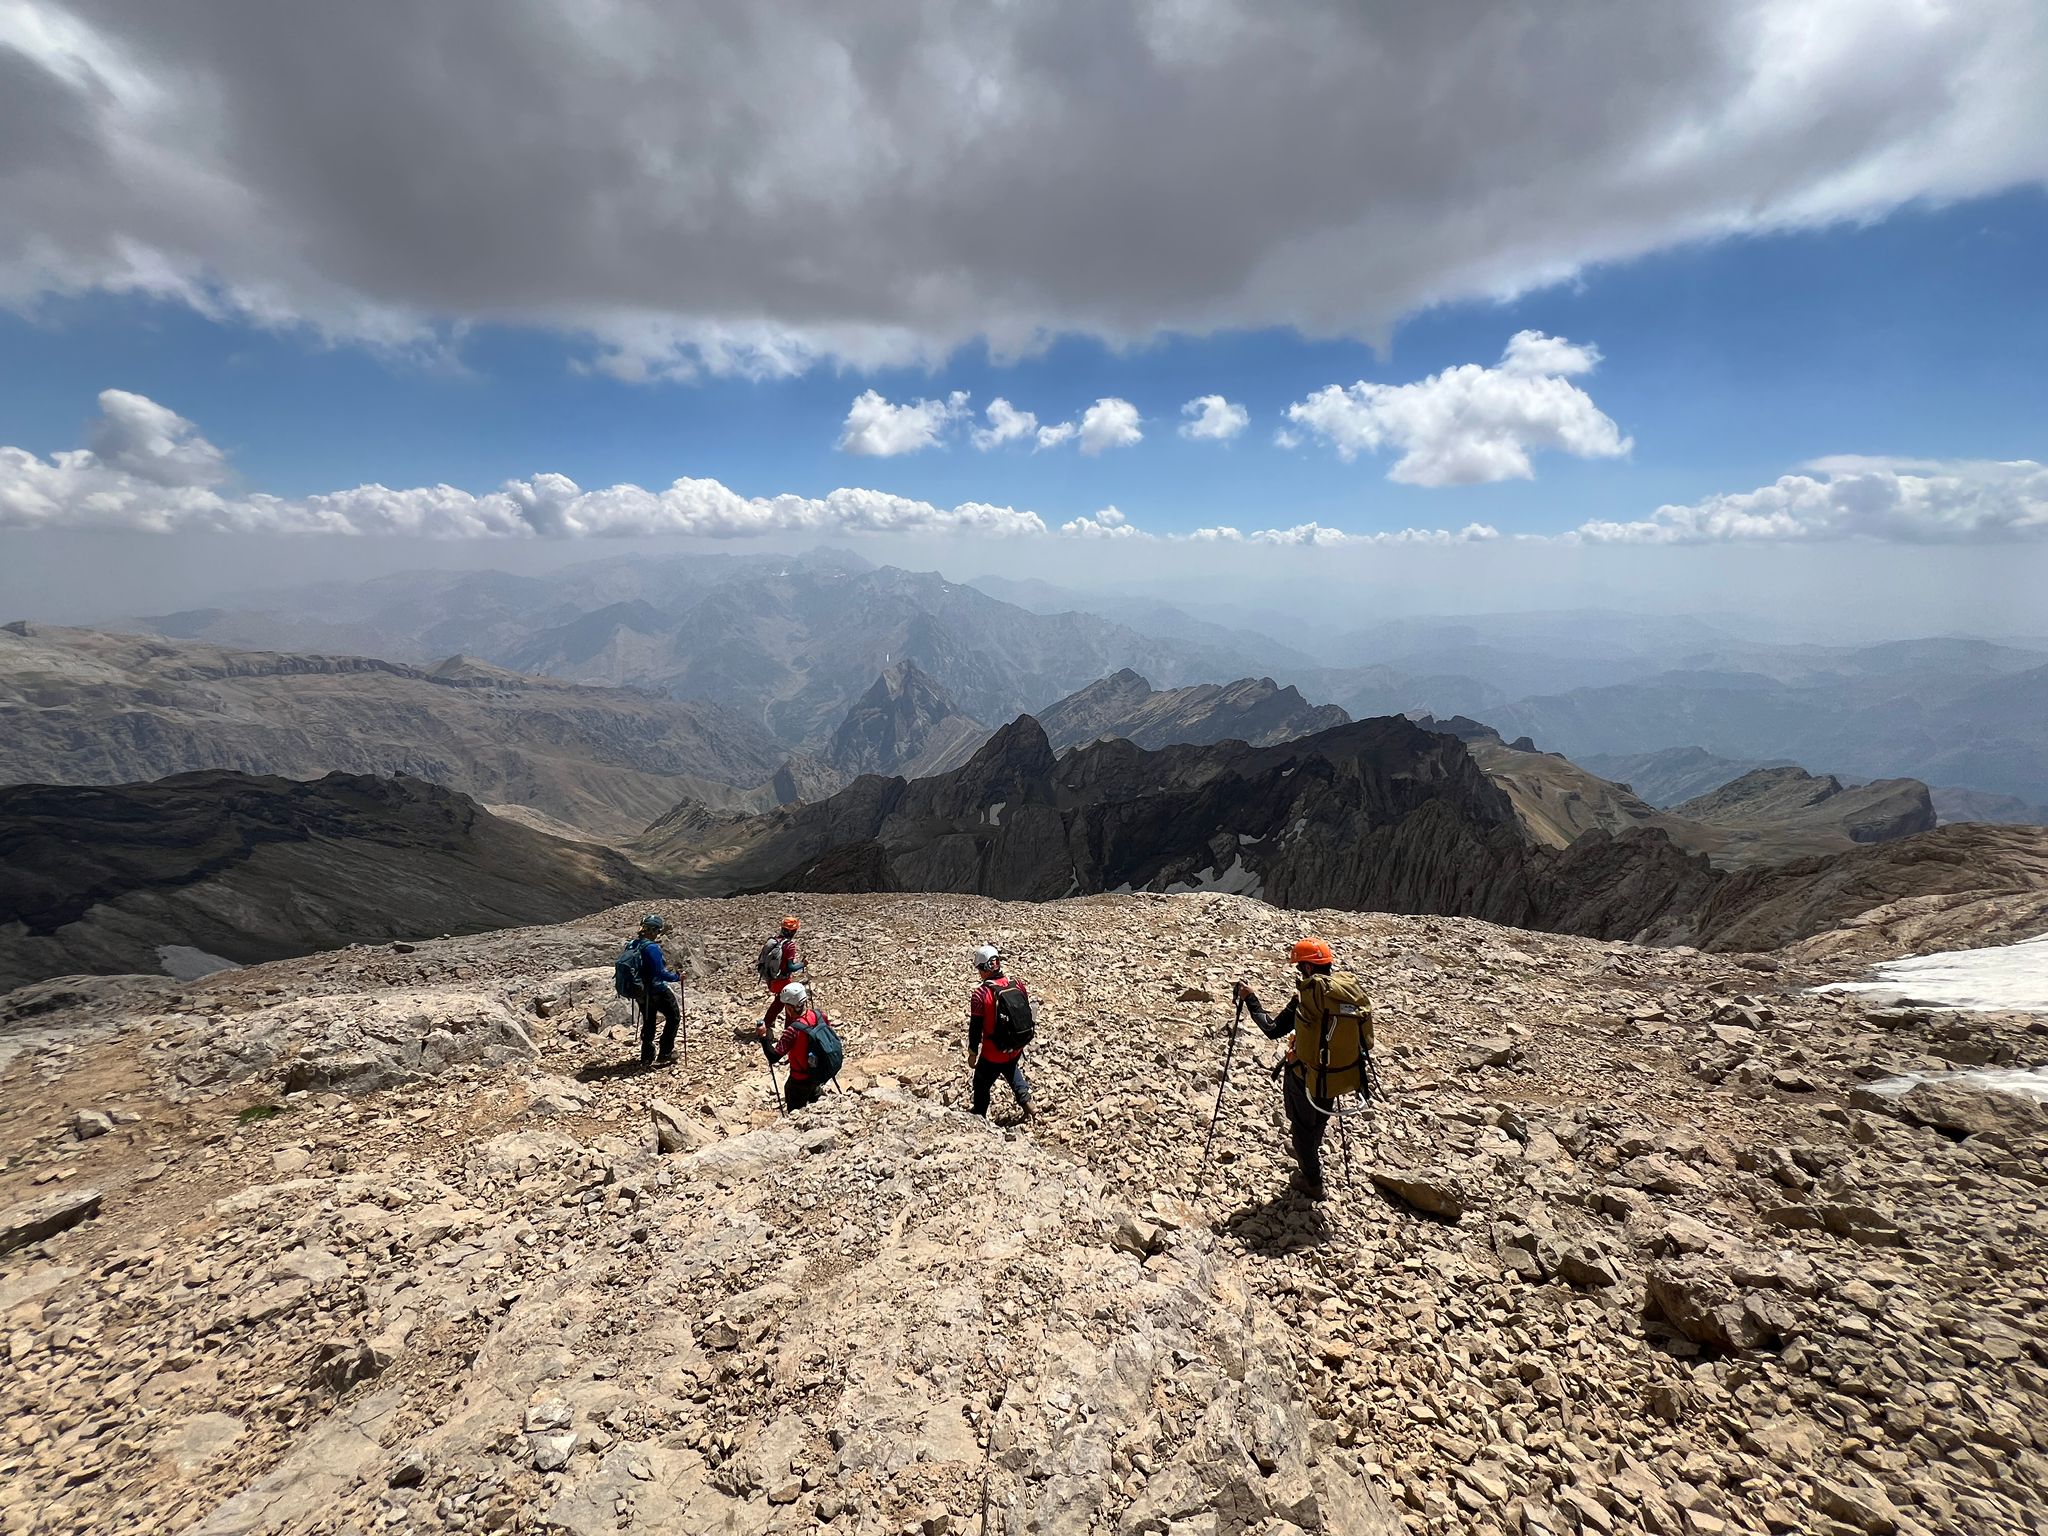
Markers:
(994, 814)
(184, 963)
(2008, 978)
(1234, 881)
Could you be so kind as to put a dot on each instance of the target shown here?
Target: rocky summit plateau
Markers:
(1639, 1239)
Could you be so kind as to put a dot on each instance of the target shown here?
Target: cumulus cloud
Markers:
(1106, 524)
(1109, 423)
(1910, 501)
(1006, 424)
(150, 471)
(878, 429)
(635, 173)
(1215, 419)
(1469, 425)
(1053, 436)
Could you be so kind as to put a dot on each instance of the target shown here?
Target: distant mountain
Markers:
(202, 868)
(790, 642)
(81, 707)
(1153, 617)
(1948, 712)
(1771, 816)
(1962, 805)
(1256, 710)
(906, 724)
(1674, 774)
(1797, 801)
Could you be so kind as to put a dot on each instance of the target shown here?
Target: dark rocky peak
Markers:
(894, 723)
(1465, 729)
(1014, 766)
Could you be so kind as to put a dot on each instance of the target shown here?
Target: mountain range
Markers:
(793, 642)
(1379, 815)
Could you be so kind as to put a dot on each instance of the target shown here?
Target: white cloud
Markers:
(1106, 524)
(1109, 423)
(943, 181)
(1053, 436)
(1535, 353)
(150, 471)
(136, 436)
(1469, 425)
(1005, 425)
(1215, 419)
(1905, 501)
(877, 429)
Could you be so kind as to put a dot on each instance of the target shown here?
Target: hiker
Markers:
(999, 1026)
(1330, 1019)
(809, 1044)
(778, 965)
(655, 998)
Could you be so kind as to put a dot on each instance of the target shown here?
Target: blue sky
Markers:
(1921, 334)
(254, 261)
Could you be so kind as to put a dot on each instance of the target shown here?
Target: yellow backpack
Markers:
(1332, 1036)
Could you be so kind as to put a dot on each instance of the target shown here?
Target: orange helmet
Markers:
(790, 925)
(1312, 952)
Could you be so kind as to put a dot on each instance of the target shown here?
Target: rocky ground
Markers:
(385, 1239)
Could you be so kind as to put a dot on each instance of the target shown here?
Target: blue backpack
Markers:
(629, 971)
(828, 1053)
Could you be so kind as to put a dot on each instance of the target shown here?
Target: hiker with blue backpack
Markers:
(808, 1043)
(641, 972)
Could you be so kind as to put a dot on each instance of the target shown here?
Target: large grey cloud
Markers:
(754, 187)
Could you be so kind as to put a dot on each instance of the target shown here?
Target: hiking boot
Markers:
(1307, 1189)
(646, 1063)
(665, 1059)
(1023, 1113)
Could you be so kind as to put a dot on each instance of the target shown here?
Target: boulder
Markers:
(1959, 1108)
(1699, 1299)
(36, 1220)
(88, 1123)
(1430, 1190)
(675, 1131)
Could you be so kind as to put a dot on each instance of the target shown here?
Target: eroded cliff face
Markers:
(247, 868)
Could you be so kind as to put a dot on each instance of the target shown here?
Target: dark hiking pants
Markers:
(658, 1004)
(1011, 1072)
(1306, 1124)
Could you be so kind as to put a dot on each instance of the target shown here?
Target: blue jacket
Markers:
(652, 965)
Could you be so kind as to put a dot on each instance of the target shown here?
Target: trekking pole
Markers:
(1229, 1054)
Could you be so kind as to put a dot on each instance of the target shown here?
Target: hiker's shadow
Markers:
(1282, 1224)
(595, 1071)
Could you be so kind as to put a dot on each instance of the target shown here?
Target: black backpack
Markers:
(770, 962)
(1014, 1024)
(629, 971)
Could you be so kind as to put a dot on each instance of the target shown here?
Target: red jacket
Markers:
(795, 1045)
(981, 1021)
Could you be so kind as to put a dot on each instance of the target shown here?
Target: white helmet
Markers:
(986, 956)
(796, 995)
